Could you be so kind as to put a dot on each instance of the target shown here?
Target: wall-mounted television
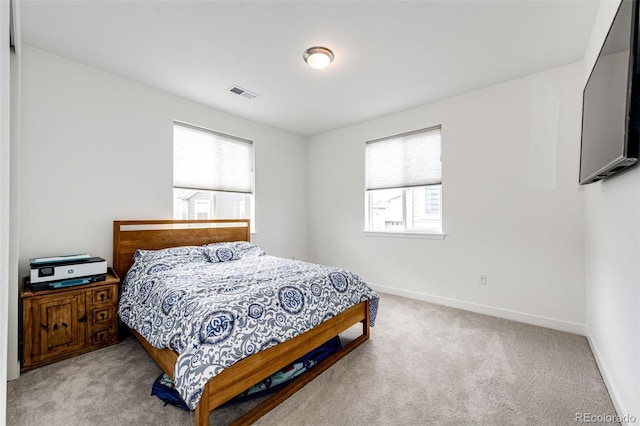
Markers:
(610, 121)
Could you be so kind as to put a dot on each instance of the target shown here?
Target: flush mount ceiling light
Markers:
(318, 57)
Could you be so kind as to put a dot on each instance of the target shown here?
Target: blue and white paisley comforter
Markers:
(218, 304)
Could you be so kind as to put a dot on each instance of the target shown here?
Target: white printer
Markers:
(64, 271)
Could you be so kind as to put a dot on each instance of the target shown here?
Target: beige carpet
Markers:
(424, 365)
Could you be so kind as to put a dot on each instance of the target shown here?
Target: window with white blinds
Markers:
(410, 159)
(212, 174)
(403, 182)
(204, 159)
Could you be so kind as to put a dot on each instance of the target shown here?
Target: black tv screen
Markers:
(609, 130)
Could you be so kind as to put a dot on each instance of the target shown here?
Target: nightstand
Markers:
(62, 323)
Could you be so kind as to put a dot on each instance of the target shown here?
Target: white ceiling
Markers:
(390, 56)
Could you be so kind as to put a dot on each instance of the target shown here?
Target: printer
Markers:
(64, 271)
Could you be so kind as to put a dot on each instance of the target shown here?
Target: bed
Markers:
(131, 236)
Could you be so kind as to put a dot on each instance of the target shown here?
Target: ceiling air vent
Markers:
(242, 92)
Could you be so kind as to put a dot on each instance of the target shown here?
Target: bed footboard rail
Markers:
(235, 379)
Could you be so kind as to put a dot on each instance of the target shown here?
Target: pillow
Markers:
(236, 250)
(167, 253)
(156, 260)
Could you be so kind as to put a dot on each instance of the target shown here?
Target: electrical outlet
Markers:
(482, 280)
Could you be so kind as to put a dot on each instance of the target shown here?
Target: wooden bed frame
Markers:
(130, 235)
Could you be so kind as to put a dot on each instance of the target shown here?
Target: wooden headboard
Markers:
(129, 235)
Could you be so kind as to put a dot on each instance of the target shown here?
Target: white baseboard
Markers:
(606, 377)
(555, 324)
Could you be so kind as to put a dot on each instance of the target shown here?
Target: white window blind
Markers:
(207, 160)
(407, 160)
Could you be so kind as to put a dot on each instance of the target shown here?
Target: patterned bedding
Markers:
(217, 304)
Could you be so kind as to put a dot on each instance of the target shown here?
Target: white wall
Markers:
(13, 362)
(612, 262)
(5, 153)
(97, 147)
(511, 202)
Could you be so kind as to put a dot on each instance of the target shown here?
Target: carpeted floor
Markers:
(424, 365)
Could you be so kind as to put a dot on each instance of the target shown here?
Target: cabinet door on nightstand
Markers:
(62, 324)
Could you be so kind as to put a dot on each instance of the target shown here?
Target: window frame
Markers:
(435, 232)
(250, 196)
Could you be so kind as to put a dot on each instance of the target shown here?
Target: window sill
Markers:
(406, 234)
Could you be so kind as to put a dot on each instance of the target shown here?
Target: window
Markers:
(404, 183)
(203, 209)
(212, 174)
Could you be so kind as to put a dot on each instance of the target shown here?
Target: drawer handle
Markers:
(83, 318)
(102, 296)
(102, 315)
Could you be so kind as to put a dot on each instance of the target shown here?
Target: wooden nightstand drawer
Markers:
(102, 315)
(103, 295)
(103, 336)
